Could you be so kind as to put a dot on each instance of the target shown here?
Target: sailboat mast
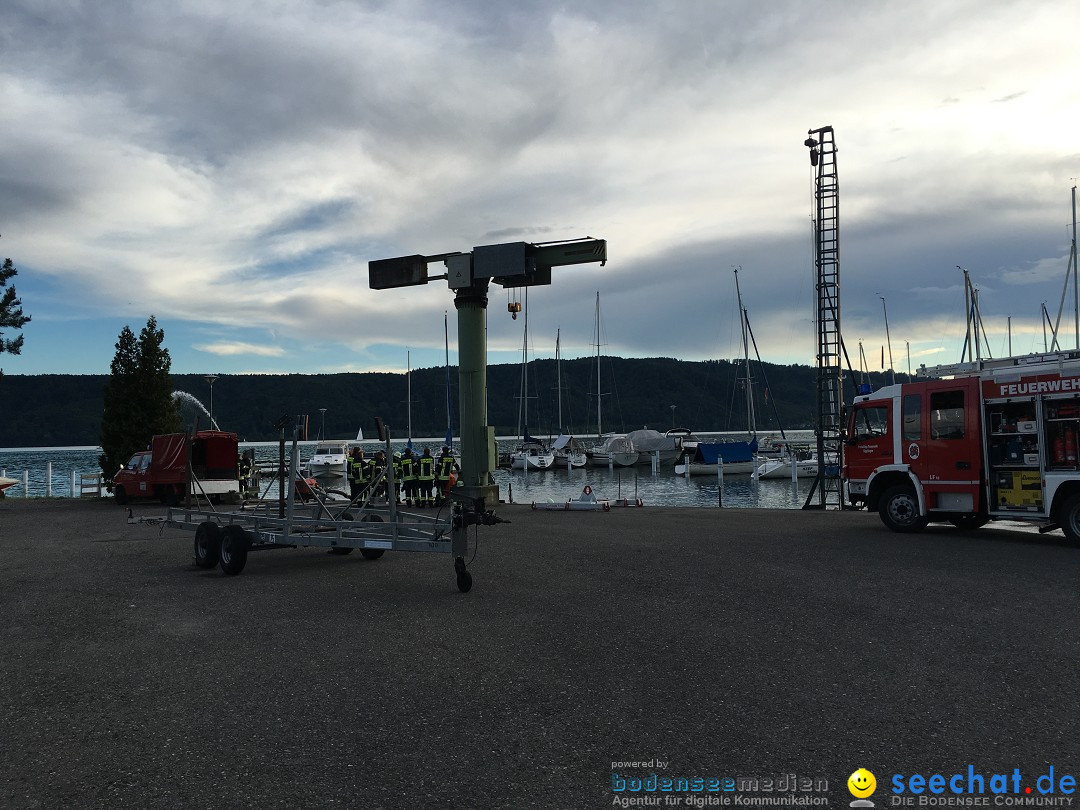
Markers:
(408, 391)
(599, 429)
(525, 366)
(558, 377)
(751, 421)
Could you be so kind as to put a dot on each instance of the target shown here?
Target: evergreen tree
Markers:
(138, 401)
(11, 313)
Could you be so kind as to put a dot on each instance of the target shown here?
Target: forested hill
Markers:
(54, 410)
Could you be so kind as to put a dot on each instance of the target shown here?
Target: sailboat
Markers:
(532, 453)
(569, 452)
(612, 450)
(738, 457)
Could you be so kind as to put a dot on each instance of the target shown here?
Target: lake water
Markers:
(661, 489)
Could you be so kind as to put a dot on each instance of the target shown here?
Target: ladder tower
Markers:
(827, 485)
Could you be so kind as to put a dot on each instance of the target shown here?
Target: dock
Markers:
(686, 642)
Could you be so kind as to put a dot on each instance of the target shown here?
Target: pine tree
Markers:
(11, 313)
(138, 396)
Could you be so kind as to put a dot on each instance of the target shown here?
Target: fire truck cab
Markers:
(993, 439)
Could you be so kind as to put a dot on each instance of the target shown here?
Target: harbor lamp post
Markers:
(672, 417)
(211, 378)
(322, 426)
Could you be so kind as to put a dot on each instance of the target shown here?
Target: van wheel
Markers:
(899, 510)
(1069, 518)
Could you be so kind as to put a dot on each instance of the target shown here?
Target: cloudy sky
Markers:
(232, 167)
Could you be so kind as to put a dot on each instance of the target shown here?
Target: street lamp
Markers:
(672, 417)
(211, 378)
(322, 428)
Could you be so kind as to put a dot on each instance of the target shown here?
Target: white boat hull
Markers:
(781, 469)
(733, 468)
(531, 460)
(612, 459)
(574, 460)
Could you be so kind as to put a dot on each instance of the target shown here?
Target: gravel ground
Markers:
(695, 642)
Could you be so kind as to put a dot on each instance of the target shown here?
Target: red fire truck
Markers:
(973, 442)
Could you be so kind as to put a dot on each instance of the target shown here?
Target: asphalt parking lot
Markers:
(699, 643)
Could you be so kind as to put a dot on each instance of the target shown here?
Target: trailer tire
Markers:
(1069, 518)
(371, 553)
(899, 510)
(120, 494)
(234, 549)
(207, 545)
(343, 550)
(464, 581)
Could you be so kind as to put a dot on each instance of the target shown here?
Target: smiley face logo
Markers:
(861, 783)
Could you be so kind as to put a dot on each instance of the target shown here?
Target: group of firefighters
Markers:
(419, 481)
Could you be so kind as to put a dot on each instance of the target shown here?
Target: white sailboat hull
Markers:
(733, 468)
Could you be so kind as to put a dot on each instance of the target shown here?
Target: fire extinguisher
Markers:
(1059, 450)
(1070, 445)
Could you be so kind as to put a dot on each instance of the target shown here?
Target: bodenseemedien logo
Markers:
(861, 784)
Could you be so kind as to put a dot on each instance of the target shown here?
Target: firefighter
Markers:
(425, 479)
(408, 476)
(397, 476)
(445, 467)
(357, 468)
(377, 467)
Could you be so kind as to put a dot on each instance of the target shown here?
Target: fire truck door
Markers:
(941, 443)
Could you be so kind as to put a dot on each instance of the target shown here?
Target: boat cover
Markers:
(647, 440)
(730, 452)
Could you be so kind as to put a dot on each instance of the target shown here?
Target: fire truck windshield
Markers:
(871, 421)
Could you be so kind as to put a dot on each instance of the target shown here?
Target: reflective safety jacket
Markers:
(427, 469)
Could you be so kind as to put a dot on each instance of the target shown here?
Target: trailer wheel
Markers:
(464, 578)
(207, 545)
(464, 582)
(1069, 518)
(343, 550)
(120, 494)
(234, 549)
(969, 522)
(371, 553)
(899, 510)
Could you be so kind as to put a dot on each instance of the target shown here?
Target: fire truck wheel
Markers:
(120, 494)
(207, 545)
(234, 549)
(1069, 518)
(968, 522)
(899, 510)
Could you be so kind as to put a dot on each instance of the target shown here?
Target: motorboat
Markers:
(613, 451)
(806, 466)
(328, 462)
(532, 455)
